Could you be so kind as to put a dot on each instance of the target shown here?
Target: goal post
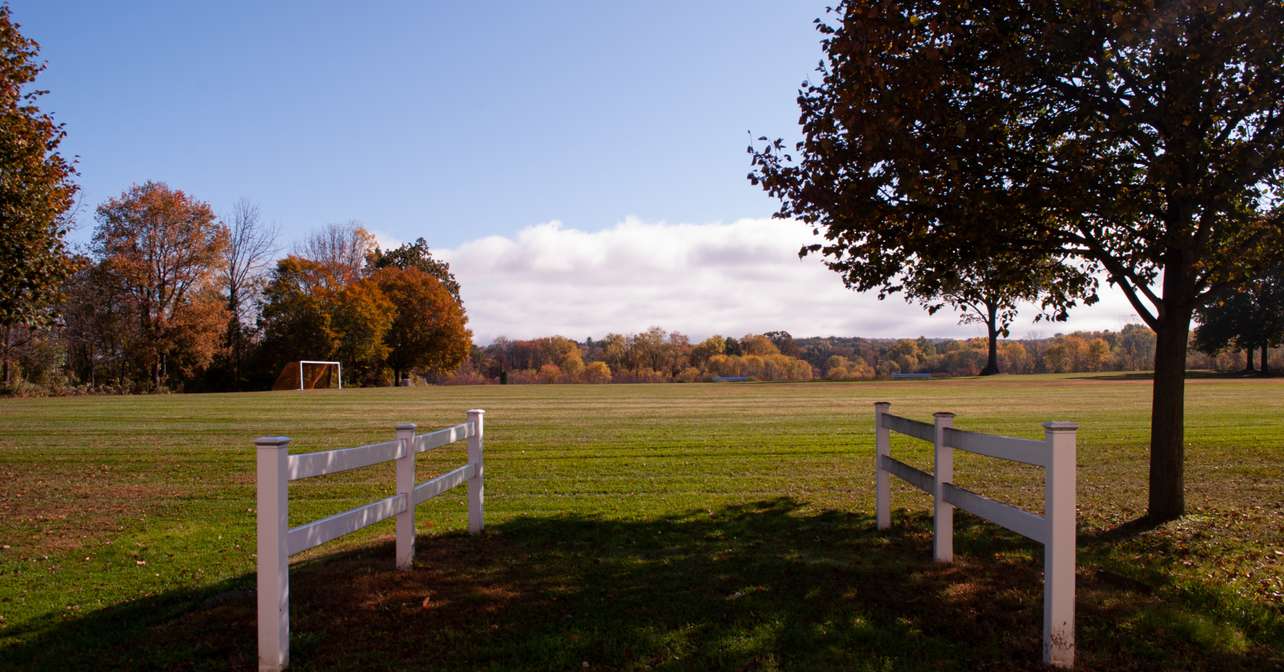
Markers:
(337, 366)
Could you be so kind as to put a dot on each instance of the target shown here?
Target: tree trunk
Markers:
(1248, 360)
(1167, 448)
(992, 330)
(4, 357)
(1266, 360)
(234, 336)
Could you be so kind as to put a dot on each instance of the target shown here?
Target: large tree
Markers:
(429, 332)
(416, 255)
(1139, 141)
(362, 314)
(36, 195)
(296, 319)
(163, 248)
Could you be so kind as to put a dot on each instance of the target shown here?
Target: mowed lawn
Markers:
(637, 527)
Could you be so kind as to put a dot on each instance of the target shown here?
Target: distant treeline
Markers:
(170, 297)
(656, 356)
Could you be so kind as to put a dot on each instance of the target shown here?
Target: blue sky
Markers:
(446, 120)
(581, 164)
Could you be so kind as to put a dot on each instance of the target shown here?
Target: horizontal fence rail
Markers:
(442, 437)
(1055, 529)
(326, 462)
(429, 489)
(277, 541)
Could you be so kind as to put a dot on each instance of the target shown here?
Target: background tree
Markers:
(417, 255)
(714, 345)
(340, 248)
(597, 372)
(988, 295)
(430, 331)
(784, 342)
(1248, 317)
(163, 248)
(295, 321)
(615, 352)
(757, 344)
(1142, 142)
(646, 350)
(98, 325)
(361, 316)
(194, 334)
(251, 245)
(1136, 347)
(36, 195)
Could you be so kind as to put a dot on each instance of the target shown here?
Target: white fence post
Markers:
(1059, 551)
(406, 489)
(882, 480)
(273, 560)
(476, 489)
(943, 472)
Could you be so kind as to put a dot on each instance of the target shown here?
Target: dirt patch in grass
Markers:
(49, 510)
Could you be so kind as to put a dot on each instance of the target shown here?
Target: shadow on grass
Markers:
(1190, 375)
(760, 586)
(1132, 528)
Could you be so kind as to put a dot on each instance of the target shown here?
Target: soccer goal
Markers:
(316, 374)
(309, 374)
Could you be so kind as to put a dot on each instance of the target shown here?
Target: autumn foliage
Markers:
(159, 248)
(37, 192)
(383, 324)
(652, 356)
(777, 356)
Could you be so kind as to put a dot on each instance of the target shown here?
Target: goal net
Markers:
(310, 374)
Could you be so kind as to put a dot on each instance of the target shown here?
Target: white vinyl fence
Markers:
(277, 541)
(1055, 529)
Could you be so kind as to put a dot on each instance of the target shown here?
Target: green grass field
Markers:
(637, 527)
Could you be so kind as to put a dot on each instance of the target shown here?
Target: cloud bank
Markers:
(700, 279)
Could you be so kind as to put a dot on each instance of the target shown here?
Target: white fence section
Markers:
(1055, 529)
(277, 541)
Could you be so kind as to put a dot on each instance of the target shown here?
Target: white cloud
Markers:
(385, 241)
(700, 279)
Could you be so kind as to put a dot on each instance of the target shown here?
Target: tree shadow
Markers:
(1132, 528)
(1190, 375)
(765, 585)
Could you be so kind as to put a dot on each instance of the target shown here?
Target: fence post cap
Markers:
(882, 403)
(406, 426)
(942, 414)
(476, 411)
(272, 441)
(1060, 426)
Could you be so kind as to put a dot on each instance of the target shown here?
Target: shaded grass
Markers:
(635, 527)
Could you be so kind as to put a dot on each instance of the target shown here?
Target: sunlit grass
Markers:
(680, 526)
